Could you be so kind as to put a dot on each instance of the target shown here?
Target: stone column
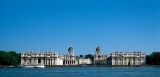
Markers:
(36, 59)
(55, 61)
(41, 61)
(22, 61)
(32, 60)
(48, 61)
(45, 61)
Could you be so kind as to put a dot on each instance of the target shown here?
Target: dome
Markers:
(70, 48)
(98, 48)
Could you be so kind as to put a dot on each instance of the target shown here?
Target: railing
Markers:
(39, 55)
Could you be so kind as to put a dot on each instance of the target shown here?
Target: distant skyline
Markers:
(54, 25)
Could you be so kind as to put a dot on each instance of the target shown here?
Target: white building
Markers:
(127, 58)
(70, 59)
(83, 61)
(47, 58)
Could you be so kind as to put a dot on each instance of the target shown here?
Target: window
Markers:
(39, 60)
(29, 60)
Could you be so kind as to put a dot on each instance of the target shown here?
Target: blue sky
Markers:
(54, 25)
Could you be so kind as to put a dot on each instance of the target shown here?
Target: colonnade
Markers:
(70, 62)
(127, 61)
(50, 61)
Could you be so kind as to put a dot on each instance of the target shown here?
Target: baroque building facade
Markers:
(83, 61)
(119, 58)
(70, 59)
(99, 59)
(50, 58)
(38, 58)
(127, 58)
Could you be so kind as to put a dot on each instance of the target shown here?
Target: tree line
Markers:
(153, 58)
(9, 58)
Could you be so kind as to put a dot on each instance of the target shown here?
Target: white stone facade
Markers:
(83, 61)
(127, 58)
(53, 58)
(99, 59)
(70, 59)
(47, 58)
(119, 58)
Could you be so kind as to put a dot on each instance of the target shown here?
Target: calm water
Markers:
(81, 72)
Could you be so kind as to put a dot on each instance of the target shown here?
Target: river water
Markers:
(81, 72)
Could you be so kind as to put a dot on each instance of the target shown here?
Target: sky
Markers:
(55, 25)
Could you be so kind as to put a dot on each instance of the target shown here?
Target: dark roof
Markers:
(98, 48)
(70, 48)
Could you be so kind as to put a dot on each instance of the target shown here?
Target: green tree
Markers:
(90, 56)
(80, 55)
(153, 59)
(148, 59)
(9, 58)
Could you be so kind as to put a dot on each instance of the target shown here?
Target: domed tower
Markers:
(70, 51)
(98, 51)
